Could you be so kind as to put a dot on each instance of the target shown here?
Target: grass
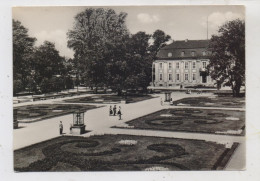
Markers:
(193, 120)
(106, 99)
(33, 113)
(104, 153)
(213, 101)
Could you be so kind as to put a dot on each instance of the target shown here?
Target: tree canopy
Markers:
(47, 65)
(106, 54)
(227, 63)
(37, 69)
(97, 38)
(22, 55)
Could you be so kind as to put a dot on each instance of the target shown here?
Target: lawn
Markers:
(212, 101)
(110, 99)
(33, 113)
(193, 120)
(122, 153)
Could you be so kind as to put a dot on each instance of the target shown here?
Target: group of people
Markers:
(113, 111)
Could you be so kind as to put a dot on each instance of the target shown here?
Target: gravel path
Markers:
(98, 121)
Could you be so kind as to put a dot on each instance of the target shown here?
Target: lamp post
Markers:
(153, 74)
(78, 123)
(32, 80)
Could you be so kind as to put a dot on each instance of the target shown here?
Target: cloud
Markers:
(217, 19)
(58, 37)
(147, 18)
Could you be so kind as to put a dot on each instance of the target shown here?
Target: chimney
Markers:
(186, 40)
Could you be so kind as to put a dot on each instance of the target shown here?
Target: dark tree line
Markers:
(37, 69)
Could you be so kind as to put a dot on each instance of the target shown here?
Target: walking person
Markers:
(61, 127)
(161, 102)
(110, 111)
(119, 113)
(114, 109)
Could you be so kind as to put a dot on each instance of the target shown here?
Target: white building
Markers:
(182, 63)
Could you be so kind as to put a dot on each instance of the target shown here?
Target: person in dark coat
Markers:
(119, 113)
(70, 128)
(61, 127)
(110, 111)
(114, 109)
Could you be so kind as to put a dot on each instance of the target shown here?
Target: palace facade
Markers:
(182, 63)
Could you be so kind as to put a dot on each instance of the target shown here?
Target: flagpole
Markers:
(207, 28)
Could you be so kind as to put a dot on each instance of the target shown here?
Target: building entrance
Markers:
(204, 78)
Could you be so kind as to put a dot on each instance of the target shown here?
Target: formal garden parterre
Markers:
(108, 99)
(122, 153)
(33, 113)
(212, 101)
(213, 121)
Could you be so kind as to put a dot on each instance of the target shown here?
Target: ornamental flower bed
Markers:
(105, 153)
(215, 121)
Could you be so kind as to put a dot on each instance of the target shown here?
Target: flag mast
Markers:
(207, 28)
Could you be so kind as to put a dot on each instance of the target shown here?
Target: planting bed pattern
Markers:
(193, 120)
(105, 153)
(107, 99)
(32, 113)
(213, 101)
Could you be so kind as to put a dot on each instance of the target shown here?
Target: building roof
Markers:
(187, 46)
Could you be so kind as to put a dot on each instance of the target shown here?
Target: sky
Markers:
(180, 22)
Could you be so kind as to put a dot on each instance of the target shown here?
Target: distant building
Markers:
(182, 63)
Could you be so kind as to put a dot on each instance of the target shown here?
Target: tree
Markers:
(47, 64)
(17, 86)
(22, 55)
(107, 55)
(97, 38)
(159, 41)
(136, 68)
(137, 59)
(143, 54)
(227, 63)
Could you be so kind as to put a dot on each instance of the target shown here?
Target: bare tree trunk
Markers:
(96, 89)
(119, 92)
(233, 90)
(237, 89)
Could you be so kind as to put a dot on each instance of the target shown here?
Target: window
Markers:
(193, 65)
(170, 76)
(203, 53)
(169, 54)
(160, 76)
(170, 85)
(182, 53)
(160, 65)
(177, 65)
(193, 53)
(177, 76)
(204, 64)
(186, 65)
(170, 65)
(186, 77)
(193, 76)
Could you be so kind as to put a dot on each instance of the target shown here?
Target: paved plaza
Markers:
(98, 122)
